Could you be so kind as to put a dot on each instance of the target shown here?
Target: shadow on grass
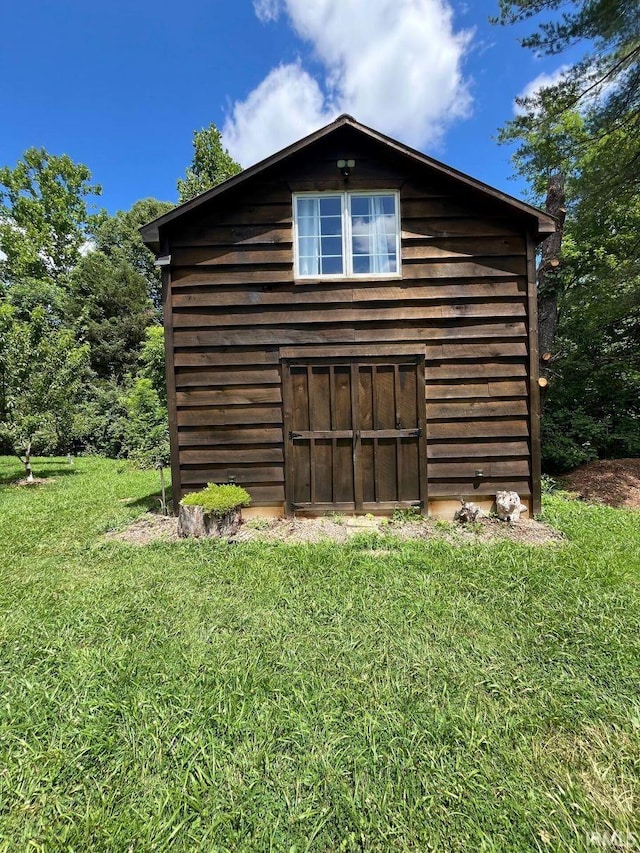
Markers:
(39, 472)
(152, 502)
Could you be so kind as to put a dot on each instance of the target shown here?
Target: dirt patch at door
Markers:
(157, 528)
(485, 529)
(615, 482)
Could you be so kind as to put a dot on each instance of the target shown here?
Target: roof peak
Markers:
(150, 231)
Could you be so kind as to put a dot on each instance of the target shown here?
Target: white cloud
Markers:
(86, 247)
(287, 105)
(266, 10)
(542, 81)
(3, 256)
(393, 64)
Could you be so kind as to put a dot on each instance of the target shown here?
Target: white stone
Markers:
(509, 506)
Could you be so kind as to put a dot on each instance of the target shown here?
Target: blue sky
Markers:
(120, 86)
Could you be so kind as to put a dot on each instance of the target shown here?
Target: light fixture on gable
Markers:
(346, 166)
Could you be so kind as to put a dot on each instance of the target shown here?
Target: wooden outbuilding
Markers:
(351, 326)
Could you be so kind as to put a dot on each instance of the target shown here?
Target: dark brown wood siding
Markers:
(462, 300)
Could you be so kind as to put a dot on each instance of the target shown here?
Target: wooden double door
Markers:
(354, 434)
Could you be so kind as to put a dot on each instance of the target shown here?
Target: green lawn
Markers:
(370, 696)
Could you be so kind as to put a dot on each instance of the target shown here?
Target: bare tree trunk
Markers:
(26, 461)
(549, 281)
(164, 494)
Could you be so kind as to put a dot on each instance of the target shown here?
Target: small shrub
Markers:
(258, 523)
(404, 516)
(335, 517)
(217, 499)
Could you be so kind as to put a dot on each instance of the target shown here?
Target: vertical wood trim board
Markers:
(534, 388)
(170, 369)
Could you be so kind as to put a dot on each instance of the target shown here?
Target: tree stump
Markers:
(194, 521)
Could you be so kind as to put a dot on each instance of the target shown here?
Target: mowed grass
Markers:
(372, 696)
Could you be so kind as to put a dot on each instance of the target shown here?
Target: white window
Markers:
(346, 234)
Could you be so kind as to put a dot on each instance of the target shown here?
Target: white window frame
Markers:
(347, 255)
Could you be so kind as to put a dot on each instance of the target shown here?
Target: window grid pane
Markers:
(374, 234)
(372, 220)
(320, 239)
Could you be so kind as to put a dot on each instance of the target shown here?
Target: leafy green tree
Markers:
(153, 361)
(109, 308)
(45, 375)
(550, 161)
(101, 421)
(603, 84)
(43, 215)
(147, 433)
(119, 239)
(212, 164)
(577, 143)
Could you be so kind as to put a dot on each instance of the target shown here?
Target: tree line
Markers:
(81, 341)
(577, 143)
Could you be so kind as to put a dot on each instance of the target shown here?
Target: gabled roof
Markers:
(544, 224)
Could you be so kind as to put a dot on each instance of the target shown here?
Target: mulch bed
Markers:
(615, 482)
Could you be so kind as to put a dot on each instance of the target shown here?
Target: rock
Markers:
(509, 506)
(467, 513)
(194, 521)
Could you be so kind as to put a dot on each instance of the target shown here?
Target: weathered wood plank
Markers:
(476, 369)
(229, 396)
(420, 208)
(236, 415)
(463, 331)
(242, 213)
(461, 246)
(460, 331)
(462, 389)
(193, 276)
(493, 267)
(240, 475)
(419, 227)
(487, 349)
(194, 437)
(460, 409)
(469, 488)
(459, 356)
(475, 389)
(266, 495)
(230, 456)
(205, 234)
(477, 428)
(467, 469)
(476, 449)
(214, 256)
(282, 273)
(227, 358)
(263, 335)
(409, 290)
(403, 352)
(441, 249)
(255, 375)
(184, 318)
